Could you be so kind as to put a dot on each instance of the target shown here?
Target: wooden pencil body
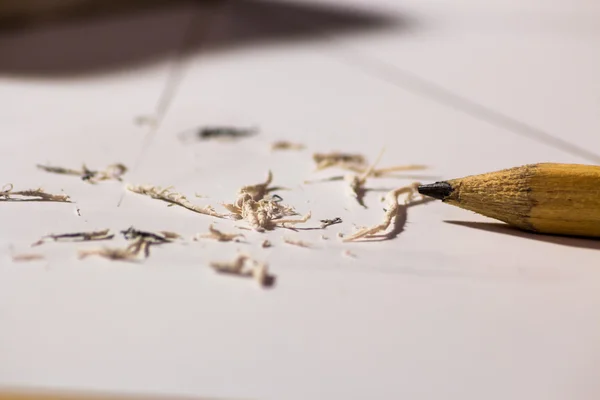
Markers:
(545, 198)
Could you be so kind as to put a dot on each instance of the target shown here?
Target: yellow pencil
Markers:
(546, 198)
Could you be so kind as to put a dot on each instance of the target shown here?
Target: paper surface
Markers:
(456, 306)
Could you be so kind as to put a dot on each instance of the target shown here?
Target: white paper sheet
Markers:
(455, 307)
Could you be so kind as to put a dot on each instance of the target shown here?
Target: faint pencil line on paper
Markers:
(413, 83)
(175, 76)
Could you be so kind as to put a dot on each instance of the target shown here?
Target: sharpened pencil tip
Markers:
(438, 190)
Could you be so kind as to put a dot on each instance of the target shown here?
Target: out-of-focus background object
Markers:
(40, 394)
(94, 36)
(23, 13)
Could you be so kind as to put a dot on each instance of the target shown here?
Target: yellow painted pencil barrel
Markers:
(548, 198)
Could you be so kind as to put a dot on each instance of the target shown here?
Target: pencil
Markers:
(547, 198)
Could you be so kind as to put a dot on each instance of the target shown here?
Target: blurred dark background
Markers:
(75, 37)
